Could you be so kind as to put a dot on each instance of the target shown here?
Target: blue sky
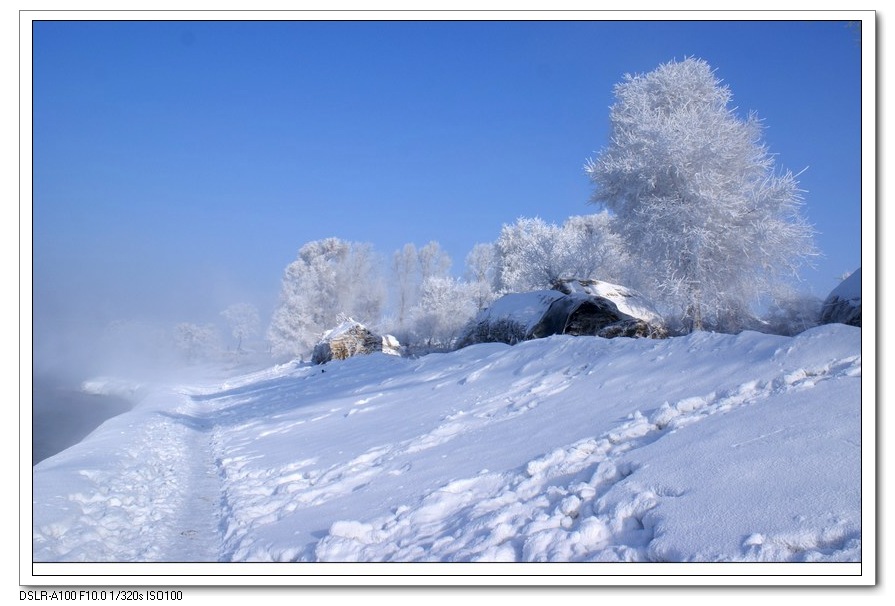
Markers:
(179, 166)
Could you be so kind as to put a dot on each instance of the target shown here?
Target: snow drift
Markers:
(703, 448)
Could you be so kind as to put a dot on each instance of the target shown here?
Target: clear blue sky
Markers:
(179, 166)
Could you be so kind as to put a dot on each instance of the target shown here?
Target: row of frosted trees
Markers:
(693, 214)
(416, 297)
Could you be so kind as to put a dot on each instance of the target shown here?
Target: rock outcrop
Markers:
(843, 304)
(351, 338)
(575, 307)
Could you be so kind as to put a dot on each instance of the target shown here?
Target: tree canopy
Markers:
(697, 196)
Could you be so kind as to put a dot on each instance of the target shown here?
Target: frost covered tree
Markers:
(243, 321)
(411, 267)
(197, 342)
(434, 261)
(526, 255)
(481, 274)
(532, 254)
(405, 283)
(696, 194)
(592, 248)
(330, 277)
(446, 305)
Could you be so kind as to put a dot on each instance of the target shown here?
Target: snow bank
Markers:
(704, 448)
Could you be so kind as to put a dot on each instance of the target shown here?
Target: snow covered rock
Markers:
(511, 318)
(572, 311)
(351, 338)
(843, 304)
(627, 300)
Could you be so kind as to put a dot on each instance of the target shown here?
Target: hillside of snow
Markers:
(702, 448)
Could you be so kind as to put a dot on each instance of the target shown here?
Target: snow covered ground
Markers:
(707, 448)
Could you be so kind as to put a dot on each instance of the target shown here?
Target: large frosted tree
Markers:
(697, 197)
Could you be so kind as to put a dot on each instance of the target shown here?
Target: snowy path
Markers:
(159, 501)
(199, 517)
(701, 448)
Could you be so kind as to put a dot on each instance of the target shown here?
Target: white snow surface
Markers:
(702, 448)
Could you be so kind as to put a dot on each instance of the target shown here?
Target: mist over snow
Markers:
(700, 448)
